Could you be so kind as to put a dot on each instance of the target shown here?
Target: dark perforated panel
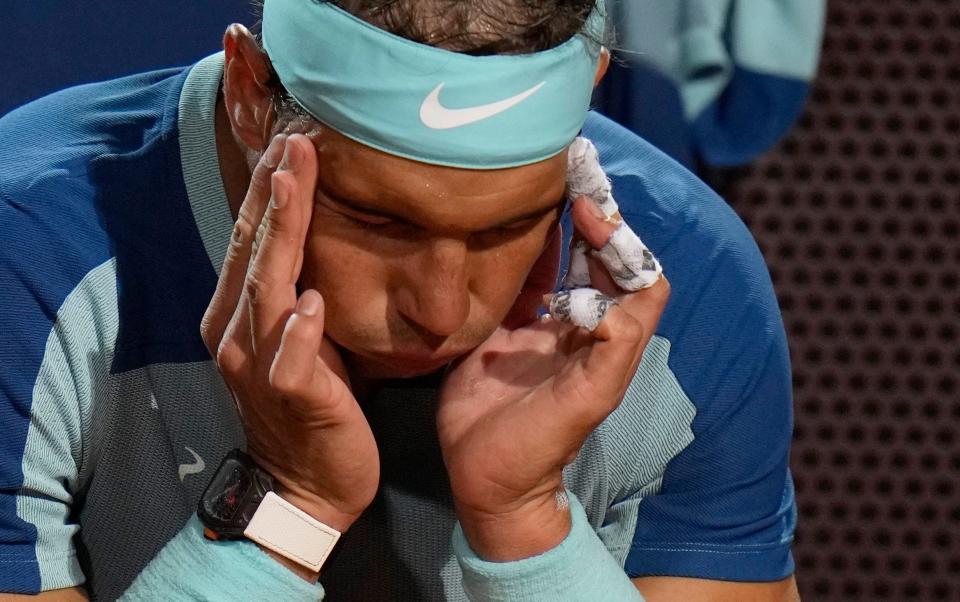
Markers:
(858, 214)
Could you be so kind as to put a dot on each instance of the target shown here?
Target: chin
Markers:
(394, 368)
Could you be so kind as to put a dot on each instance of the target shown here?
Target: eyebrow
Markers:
(361, 207)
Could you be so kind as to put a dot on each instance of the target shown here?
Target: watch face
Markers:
(233, 495)
(229, 490)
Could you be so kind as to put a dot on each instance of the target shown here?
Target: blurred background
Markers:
(844, 163)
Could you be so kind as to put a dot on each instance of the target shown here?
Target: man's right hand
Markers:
(302, 421)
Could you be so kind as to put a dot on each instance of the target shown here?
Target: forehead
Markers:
(432, 193)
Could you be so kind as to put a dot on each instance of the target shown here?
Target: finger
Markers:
(648, 304)
(592, 223)
(593, 228)
(230, 284)
(294, 368)
(621, 339)
(611, 362)
(586, 177)
(271, 280)
(631, 264)
(601, 279)
(624, 333)
(578, 272)
(584, 307)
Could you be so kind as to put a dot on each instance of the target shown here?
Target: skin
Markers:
(445, 265)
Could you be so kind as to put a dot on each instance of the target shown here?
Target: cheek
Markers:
(350, 278)
(501, 270)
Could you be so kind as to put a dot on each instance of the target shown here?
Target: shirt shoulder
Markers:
(691, 471)
(75, 221)
(723, 317)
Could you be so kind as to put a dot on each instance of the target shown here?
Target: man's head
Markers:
(417, 262)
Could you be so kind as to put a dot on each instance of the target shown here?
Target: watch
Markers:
(239, 503)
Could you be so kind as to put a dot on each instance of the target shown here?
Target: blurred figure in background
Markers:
(713, 83)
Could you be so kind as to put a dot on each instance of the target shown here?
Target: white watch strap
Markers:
(280, 526)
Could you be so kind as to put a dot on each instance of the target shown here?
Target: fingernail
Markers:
(309, 304)
(274, 151)
(595, 211)
(290, 158)
(279, 195)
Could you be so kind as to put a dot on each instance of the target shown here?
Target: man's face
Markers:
(418, 263)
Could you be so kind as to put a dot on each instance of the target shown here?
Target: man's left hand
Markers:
(518, 409)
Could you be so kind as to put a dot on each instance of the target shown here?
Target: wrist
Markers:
(523, 532)
(294, 526)
(336, 514)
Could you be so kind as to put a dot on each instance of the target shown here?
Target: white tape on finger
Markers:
(578, 273)
(585, 176)
(584, 307)
(630, 263)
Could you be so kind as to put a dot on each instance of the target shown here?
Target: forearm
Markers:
(191, 567)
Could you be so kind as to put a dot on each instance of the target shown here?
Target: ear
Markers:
(602, 66)
(248, 99)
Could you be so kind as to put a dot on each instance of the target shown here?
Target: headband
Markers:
(426, 103)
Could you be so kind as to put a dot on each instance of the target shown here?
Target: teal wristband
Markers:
(191, 567)
(579, 568)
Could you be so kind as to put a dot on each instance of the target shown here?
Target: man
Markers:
(383, 217)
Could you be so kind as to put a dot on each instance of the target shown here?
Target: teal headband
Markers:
(426, 103)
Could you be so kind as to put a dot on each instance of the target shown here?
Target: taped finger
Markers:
(584, 307)
(586, 177)
(578, 273)
(630, 263)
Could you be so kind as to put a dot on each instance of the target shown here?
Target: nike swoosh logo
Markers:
(194, 468)
(438, 117)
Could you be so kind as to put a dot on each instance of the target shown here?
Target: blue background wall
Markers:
(46, 45)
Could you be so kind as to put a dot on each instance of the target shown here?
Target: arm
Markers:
(73, 594)
(724, 507)
(521, 535)
(680, 589)
(301, 421)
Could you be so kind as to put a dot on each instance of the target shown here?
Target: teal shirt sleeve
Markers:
(190, 567)
(579, 569)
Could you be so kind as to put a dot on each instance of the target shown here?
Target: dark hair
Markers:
(475, 27)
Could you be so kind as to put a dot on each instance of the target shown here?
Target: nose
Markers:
(434, 295)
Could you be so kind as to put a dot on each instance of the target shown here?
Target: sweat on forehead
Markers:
(425, 103)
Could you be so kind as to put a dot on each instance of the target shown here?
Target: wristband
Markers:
(579, 568)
